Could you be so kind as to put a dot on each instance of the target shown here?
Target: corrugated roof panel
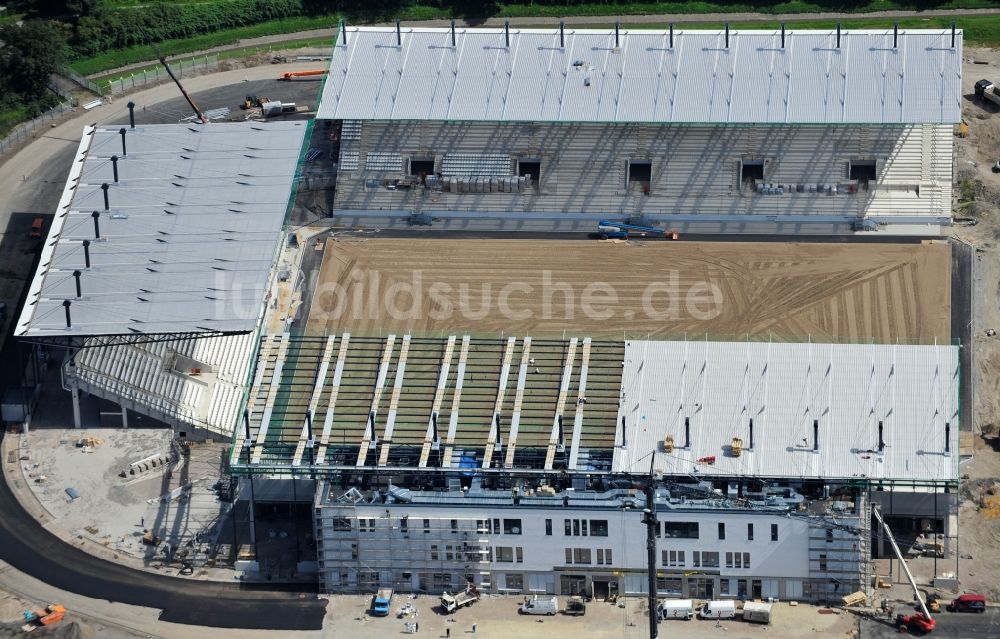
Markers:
(187, 241)
(848, 389)
(864, 81)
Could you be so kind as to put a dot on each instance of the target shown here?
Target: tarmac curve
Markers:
(30, 548)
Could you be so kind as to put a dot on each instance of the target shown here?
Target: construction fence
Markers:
(29, 129)
(150, 76)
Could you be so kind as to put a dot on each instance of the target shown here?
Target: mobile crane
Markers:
(920, 622)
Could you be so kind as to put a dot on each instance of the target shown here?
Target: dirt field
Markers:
(657, 287)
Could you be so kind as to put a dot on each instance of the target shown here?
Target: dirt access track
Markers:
(666, 289)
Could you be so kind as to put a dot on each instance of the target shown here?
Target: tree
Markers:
(32, 52)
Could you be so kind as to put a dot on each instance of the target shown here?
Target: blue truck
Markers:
(381, 601)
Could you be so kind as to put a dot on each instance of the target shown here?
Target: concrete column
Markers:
(124, 416)
(77, 423)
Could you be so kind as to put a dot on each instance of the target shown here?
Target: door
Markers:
(601, 590)
(756, 589)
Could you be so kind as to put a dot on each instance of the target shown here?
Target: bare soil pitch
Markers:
(666, 289)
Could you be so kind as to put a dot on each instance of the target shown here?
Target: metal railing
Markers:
(154, 75)
(30, 129)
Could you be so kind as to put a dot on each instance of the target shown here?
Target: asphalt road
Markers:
(950, 625)
(32, 549)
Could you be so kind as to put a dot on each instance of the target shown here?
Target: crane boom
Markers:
(902, 562)
(194, 107)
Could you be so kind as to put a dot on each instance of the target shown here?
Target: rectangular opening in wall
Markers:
(640, 172)
(421, 166)
(863, 171)
(751, 170)
(529, 166)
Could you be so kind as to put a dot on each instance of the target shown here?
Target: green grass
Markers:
(132, 55)
(703, 6)
(9, 118)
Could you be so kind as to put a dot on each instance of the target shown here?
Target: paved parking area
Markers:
(497, 618)
(950, 625)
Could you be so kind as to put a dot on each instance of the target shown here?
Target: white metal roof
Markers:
(189, 237)
(848, 389)
(200, 382)
(644, 79)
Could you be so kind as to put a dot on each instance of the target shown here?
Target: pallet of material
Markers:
(855, 599)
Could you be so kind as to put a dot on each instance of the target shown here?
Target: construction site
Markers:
(521, 347)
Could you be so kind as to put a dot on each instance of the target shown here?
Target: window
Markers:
(671, 557)
(512, 526)
(724, 587)
(454, 525)
(607, 556)
(746, 560)
(598, 527)
(604, 556)
(404, 525)
(822, 563)
(569, 555)
(739, 560)
(448, 554)
(581, 555)
(701, 588)
(640, 172)
(576, 527)
(668, 585)
(427, 526)
(496, 527)
(434, 552)
(340, 523)
(519, 554)
(422, 165)
(863, 171)
(829, 535)
(600, 556)
(710, 559)
(354, 551)
(680, 529)
(583, 527)
(749, 532)
(514, 582)
(567, 524)
(729, 560)
(722, 531)
(751, 170)
(774, 532)
(696, 559)
(505, 554)
(548, 527)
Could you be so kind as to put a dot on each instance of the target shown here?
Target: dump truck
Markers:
(50, 615)
(381, 601)
(451, 603)
(986, 90)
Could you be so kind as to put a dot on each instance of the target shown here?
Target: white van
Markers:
(676, 609)
(758, 612)
(718, 610)
(540, 606)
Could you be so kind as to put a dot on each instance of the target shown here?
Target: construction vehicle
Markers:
(50, 615)
(920, 622)
(194, 107)
(451, 603)
(611, 229)
(381, 601)
(987, 91)
(291, 75)
(253, 101)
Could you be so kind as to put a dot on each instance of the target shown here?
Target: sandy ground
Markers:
(497, 617)
(660, 287)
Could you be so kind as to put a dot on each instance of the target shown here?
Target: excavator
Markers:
(919, 622)
(49, 616)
